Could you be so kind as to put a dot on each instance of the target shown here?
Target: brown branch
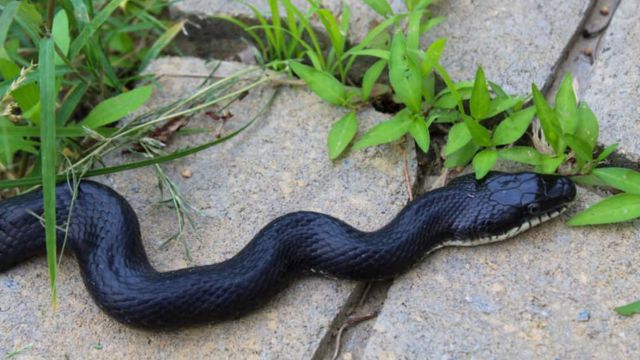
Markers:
(351, 321)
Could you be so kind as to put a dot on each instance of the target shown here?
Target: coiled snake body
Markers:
(104, 234)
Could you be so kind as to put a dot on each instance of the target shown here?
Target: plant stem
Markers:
(51, 7)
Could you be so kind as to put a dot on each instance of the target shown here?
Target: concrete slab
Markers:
(276, 166)
(614, 90)
(516, 42)
(548, 294)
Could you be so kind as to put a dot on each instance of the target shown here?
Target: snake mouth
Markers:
(525, 225)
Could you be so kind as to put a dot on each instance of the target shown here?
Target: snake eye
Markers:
(534, 208)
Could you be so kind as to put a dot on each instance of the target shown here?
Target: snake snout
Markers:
(559, 190)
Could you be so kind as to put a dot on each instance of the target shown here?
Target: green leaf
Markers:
(432, 55)
(371, 76)
(566, 107)
(404, 74)
(606, 152)
(48, 152)
(71, 100)
(6, 18)
(498, 90)
(97, 52)
(550, 164)
(60, 34)
(81, 40)
(462, 156)
(323, 84)
(443, 116)
(421, 5)
(548, 120)
(330, 24)
(413, 29)
(10, 143)
(588, 180)
(512, 128)
(160, 43)
(580, 147)
(459, 136)
(479, 134)
(483, 162)
(387, 131)
(382, 7)
(379, 53)
(623, 179)
(500, 105)
(522, 154)
(117, 107)
(420, 133)
(614, 209)
(629, 309)
(450, 85)
(480, 97)
(431, 23)
(429, 88)
(30, 20)
(587, 128)
(448, 100)
(341, 134)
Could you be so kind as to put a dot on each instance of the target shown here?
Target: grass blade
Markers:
(629, 309)
(6, 19)
(35, 180)
(80, 41)
(48, 155)
(160, 44)
(70, 103)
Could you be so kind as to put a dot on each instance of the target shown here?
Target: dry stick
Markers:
(274, 81)
(352, 320)
(365, 293)
(405, 168)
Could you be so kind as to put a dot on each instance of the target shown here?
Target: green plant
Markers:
(406, 74)
(280, 39)
(85, 60)
(67, 76)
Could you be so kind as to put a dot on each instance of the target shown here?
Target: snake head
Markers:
(502, 205)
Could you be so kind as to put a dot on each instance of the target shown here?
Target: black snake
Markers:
(104, 234)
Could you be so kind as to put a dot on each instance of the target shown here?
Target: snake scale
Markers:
(104, 235)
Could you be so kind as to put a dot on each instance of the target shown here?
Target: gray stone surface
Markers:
(516, 42)
(548, 294)
(276, 166)
(614, 90)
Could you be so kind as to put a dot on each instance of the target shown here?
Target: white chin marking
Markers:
(508, 234)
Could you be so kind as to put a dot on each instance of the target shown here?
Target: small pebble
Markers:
(11, 284)
(587, 51)
(186, 173)
(604, 11)
(584, 315)
(347, 356)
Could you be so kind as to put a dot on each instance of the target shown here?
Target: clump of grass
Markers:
(69, 72)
